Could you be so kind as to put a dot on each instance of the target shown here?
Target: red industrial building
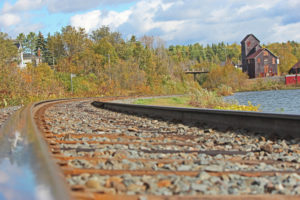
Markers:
(257, 61)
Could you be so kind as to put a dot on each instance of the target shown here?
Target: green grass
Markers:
(182, 101)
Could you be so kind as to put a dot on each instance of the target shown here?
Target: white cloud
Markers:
(293, 3)
(286, 32)
(176, 21)
(96, 18)
(9, 19)
(23, 5)
(190, 21)
(79, 5)
(88, 20)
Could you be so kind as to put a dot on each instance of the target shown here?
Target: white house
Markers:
(25, 58)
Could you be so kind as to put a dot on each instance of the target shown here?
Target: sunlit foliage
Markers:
(106, 64)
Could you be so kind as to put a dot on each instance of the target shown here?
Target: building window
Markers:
(266, 60)
(273, 61)
(258, 60)
(266, 53)
(248, 44)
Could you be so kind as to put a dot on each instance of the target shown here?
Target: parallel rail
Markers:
(280, 125)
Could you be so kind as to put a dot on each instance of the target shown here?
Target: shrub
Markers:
(248, 107)
(204, 98)
(224, 90)
(227, 75)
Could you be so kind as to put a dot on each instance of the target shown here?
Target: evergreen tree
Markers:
(30, 43)
(41, 50)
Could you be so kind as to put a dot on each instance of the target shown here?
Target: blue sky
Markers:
(176, 21)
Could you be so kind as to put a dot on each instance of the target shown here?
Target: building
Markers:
(295, 69)
(24, 58)
(257, 61)
(294, 75)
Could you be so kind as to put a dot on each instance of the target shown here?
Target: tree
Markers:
(21, 39)
(8, 50)
(209, 53)
(55, 48)
(104, 32)
(30, 43)
(100, 33)
(234, 52)
(147, 41)
(286, 58)
(74, 42)
(41, 51)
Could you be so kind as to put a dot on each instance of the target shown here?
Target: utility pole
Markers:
(109, 69)
(72, 75)
(53, 59)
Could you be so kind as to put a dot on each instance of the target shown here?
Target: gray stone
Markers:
(143, 198)
(184, 168)
(203, 176)
(214, 168)
(199, 187)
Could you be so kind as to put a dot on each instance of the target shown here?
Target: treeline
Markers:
(103, 62)
(106, 64)
(214, 53)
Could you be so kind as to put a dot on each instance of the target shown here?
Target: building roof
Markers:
(271, 52)
(255, 54)
(17, 44)
(249, 36)
(296, 66)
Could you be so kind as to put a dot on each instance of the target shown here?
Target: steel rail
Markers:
(30, 171)
(270, 124)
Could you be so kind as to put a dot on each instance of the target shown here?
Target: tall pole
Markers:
(225, 55)
(71, 83)
(53, 58)
(109, 67)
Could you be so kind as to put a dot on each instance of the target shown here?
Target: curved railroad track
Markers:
(176, 154)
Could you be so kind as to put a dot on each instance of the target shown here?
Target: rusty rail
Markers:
(281, 125)
(29, 171)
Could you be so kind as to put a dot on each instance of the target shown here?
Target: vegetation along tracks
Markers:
(105, 154)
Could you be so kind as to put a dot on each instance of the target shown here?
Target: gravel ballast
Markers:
(117, 141)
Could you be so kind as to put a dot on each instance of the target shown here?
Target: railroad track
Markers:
(104, 154)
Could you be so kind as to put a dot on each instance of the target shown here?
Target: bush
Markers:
(203, 98)
(224, 90)
(227, 75)
(248, 107)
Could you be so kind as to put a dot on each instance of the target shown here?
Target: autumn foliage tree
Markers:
(107, 64)
(286, 54)
(227, 76)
